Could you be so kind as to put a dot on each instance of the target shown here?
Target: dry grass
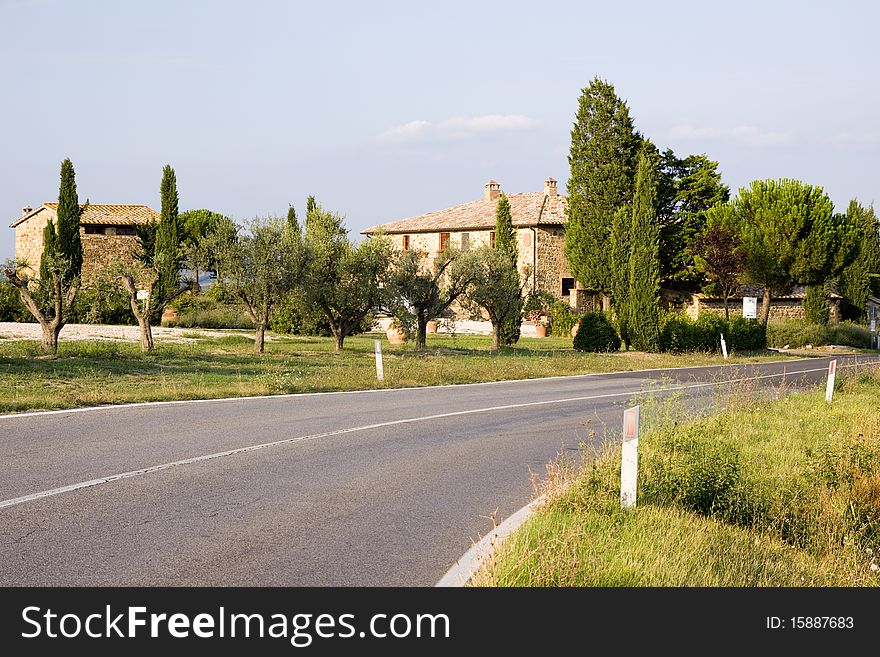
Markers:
(769, 493)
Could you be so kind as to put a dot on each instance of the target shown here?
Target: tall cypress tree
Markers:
(644, 272)
(50, 248)
(505, 239)
(855, 280)
(604, 145)
(166, 254)
(69, 244)
(621, 248)
(292, 221)
(312, 213)
(505, 242)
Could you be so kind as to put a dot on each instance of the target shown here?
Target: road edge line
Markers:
(471, 561)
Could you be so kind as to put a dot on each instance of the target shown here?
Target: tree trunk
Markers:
(421, 332)
(50, 336)
(146, 332)
(196, 288)
(496, 336)
(340, 338)
(260, 338)
(765, 305)
(726, 309)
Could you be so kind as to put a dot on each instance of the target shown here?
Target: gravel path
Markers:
(21, 331)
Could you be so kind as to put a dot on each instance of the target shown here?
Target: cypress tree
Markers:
(855, 280)
(505, 243)
(292, 221)
(621, 247)
(69, 244)
(311, 212)
(166, 254)
(505, 239)
(50, 247)
(602, 160)
(644, 273)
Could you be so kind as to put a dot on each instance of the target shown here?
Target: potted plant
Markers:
(431, 326)
(395, 333)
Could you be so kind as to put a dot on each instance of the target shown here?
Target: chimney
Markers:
(491, 190)
(26, 210)
(550, 187)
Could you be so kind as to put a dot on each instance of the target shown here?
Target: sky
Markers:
(385, 110)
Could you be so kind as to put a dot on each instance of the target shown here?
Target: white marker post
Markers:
(829, 387)
(629, 463)
(142, 295)
(380, 371)
(723, 347)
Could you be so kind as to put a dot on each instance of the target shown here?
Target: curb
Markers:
(472, 560)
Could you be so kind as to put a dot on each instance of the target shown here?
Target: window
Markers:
(567, 286)
(405, 242)
(444, 241)
(492, 239)
(465, 241)
(94, 230)
(126, 230)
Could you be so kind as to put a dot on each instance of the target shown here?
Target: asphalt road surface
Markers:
(370, 488)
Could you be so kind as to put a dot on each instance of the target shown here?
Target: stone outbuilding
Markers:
(538, 222)
(789, 305)
(108, 232)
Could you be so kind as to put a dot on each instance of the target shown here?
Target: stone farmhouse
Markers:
(538, 221)
(108, 232)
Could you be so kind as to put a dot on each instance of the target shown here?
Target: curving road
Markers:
(382, 487)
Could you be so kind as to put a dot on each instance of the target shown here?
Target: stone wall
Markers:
(779, 308)
(99, 251)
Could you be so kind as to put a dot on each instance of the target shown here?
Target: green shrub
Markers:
(510, 331)
(102, 303)
(562, 318)
(816, 305)
(797, 333)
(681, 334)
(209, 310)
(292, 317)
(11, 307)
(596, 333)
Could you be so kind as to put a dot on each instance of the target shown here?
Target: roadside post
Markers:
(723, 347)
(380, 371)
(629, 463)
(829, 386)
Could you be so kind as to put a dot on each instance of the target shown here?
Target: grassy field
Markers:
(773, 493)
(93, 372)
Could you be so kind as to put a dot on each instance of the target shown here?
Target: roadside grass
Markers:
(779, 492)
(105, 372)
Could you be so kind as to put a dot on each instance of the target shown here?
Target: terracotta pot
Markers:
(168, 315)
(574, 330)
(395, 336)
(541, 331)
(432, 327)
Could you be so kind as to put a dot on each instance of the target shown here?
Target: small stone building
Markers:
(108, 232)
(789, 305)
(538, 222)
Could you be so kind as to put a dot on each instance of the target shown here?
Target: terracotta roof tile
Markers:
(529, 209)
(108, 214)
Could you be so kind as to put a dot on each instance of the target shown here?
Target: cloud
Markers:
(458, 128)
(747, 134)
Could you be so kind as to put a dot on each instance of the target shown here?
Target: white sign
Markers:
(142, 295)
(750, 307)
(629, 463)
(380, 371)
(829, 387)
(723, 346)
(873, 324)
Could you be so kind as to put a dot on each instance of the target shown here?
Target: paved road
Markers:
(370, 488)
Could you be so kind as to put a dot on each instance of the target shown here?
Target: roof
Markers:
(106, 214)
(528, 209)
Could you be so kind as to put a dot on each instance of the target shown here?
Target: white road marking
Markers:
(252, 448)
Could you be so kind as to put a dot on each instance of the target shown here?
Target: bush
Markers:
(562, 319)
(209, 310)
(681, 334)
(596, 333)
(816, 305)
(11, 307)
(293, 318)
(102, 303)
(797, 333)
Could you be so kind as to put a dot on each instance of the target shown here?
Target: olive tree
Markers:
(494, 288)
